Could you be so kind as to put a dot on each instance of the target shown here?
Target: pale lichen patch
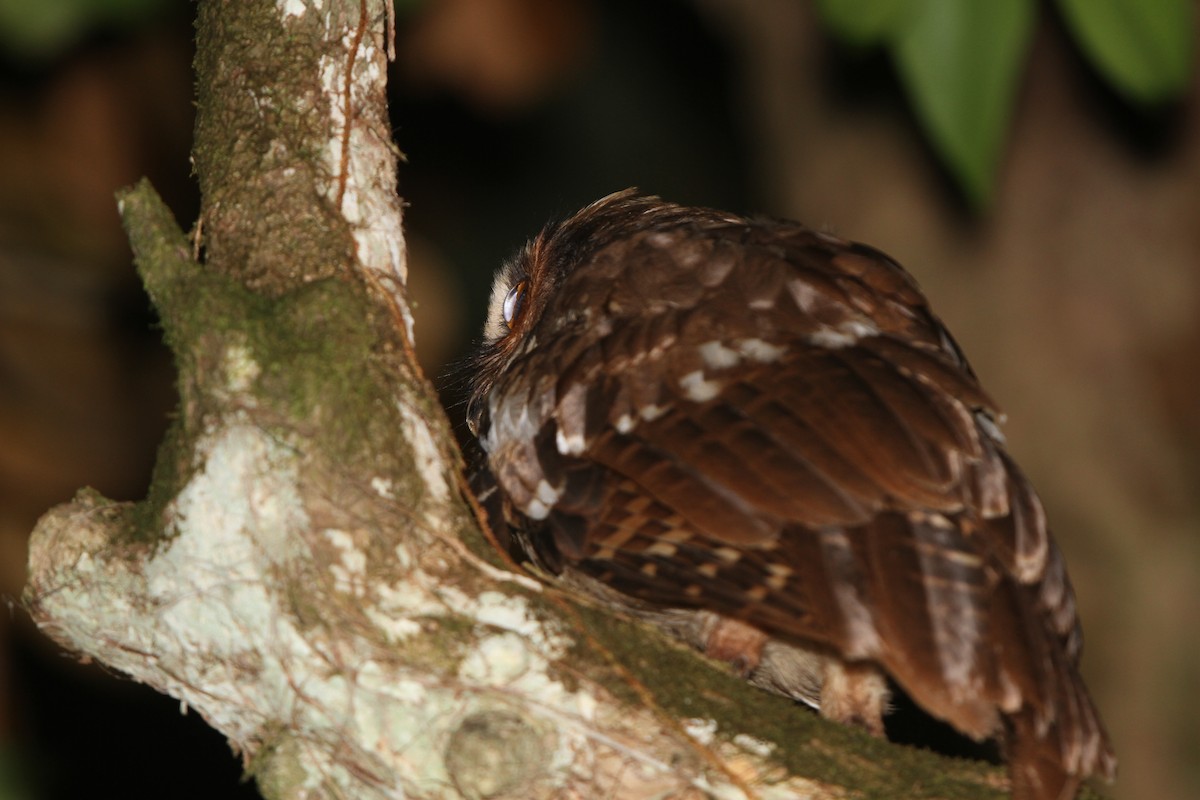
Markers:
(429, 464)
(395, 628)
(360, 163)
(292, 8)
(240, 516)
(241, 368)
(412, 597)
(702, 730)
(350, 573)
(510, 613)
(497, 660)
(383, 487)
(758, 747)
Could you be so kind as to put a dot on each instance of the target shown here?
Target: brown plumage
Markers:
(760, 437)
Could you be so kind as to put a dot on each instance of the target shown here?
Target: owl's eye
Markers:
(513, 302)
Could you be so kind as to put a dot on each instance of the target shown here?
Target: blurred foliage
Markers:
(13, 779)
(866, 22)
(1143, 47)
(39, 30)
(960, 62)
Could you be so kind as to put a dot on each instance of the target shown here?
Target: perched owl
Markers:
(760, 438)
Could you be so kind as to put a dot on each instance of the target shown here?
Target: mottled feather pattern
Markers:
(700, 411)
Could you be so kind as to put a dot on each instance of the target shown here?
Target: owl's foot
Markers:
(735, 643)
(855, 694)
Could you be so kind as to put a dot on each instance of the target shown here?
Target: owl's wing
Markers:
(824, 467)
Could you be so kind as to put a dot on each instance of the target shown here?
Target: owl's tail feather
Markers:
(1036, 765)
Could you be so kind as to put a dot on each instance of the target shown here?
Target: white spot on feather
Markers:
(511, 422)
(697, 389)
(729, 555)
(864, 641)
(652, 411)
(665, 549)
(844, 335)
(571, 445)
(803, 294)
(570, 415)
(760, 351)
(990, 426)
(717, 356)
(536, 509)
(547, 493)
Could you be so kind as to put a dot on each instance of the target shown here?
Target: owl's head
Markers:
(527, 284)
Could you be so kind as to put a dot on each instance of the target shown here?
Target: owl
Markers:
(759, 438)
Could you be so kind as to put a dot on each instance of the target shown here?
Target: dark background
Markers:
(1076, 295)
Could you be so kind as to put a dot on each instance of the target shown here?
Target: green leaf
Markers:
(959, 60)
(1144, 47)
(865, 22)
